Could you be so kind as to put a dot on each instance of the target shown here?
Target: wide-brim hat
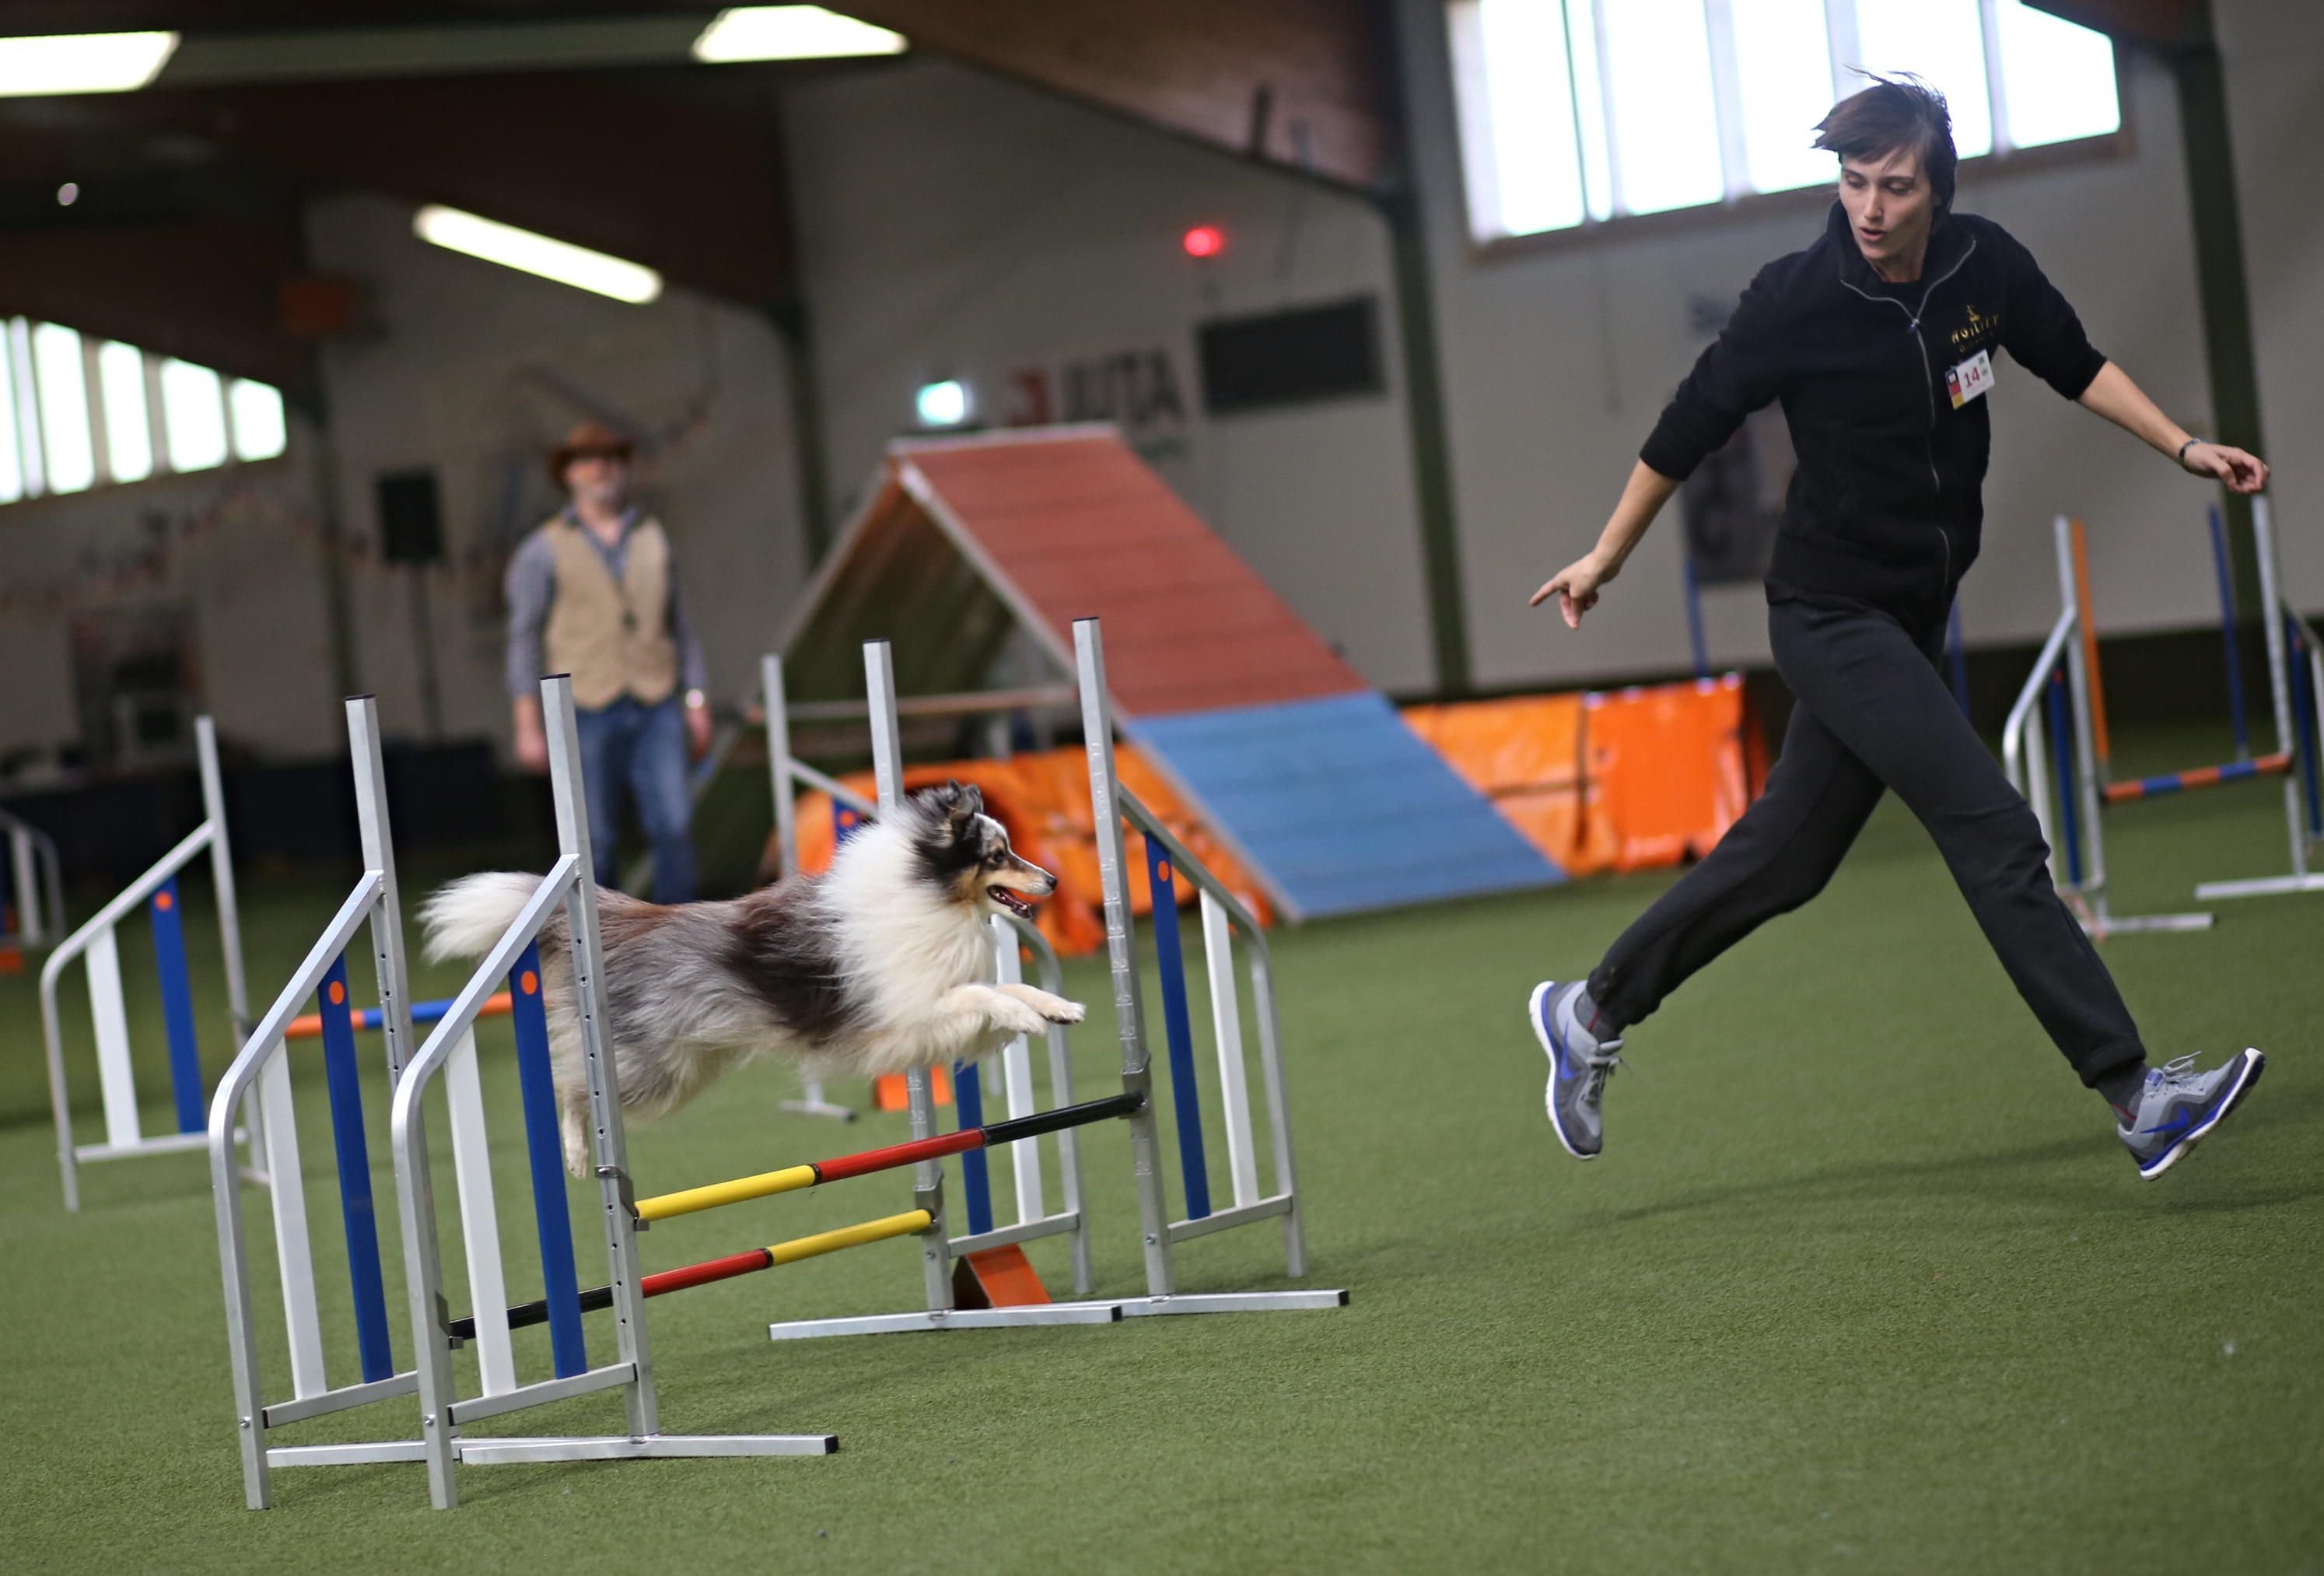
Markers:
(590, 437)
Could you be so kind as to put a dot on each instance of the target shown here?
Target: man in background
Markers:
(592, 593)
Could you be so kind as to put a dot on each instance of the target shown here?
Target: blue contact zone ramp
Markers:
(1338, 805)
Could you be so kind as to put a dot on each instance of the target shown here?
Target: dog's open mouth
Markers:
(1020, 907)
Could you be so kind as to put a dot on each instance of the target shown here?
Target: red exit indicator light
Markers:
(1204, 240)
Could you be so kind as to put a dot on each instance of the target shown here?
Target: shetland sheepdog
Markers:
(881, 964)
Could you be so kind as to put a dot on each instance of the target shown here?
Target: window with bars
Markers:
(1573, 112)
(77, 412)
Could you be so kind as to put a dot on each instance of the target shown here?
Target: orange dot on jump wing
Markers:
(529, 983)
(164, 900)
(1164, 867)
(338, 992)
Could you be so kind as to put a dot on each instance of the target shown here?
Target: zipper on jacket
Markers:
(1928, 379)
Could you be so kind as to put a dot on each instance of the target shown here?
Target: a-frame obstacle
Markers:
(969, 548)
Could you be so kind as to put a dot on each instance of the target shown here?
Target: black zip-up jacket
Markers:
(1887, 504)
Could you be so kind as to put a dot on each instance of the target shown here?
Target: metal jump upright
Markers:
(2065, 695)
(157, 891)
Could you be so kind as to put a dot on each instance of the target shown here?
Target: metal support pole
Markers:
(887, 772)
(2077, 677)
(1121, 951)
(779, 761)
(608, 1144)
(2272, 609)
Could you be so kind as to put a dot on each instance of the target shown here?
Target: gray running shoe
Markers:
(1580, 1063)
(2180, 1105)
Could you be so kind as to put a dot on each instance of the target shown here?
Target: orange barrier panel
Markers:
(1671, 767)
(1620, 781)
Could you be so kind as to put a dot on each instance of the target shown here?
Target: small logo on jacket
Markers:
(1977, 328)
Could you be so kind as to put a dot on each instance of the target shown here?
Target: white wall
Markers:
(958, 226)
(237, 544)
(469, 376)
(1558, 361)
(2273, 52)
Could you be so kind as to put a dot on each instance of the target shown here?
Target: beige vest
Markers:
(614, 640)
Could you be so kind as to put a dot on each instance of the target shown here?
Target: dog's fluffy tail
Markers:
(464, 918)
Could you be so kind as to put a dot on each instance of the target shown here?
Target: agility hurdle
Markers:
(927, 1149)
(2064, 700)
(33, 887)
(1223, 920)
(97, 942)
(448, 1055)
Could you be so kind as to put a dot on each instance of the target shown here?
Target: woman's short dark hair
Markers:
(1895, 111)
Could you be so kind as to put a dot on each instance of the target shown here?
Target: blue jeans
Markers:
(641, 749)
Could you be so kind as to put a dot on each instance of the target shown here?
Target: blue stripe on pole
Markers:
(1695, 642)
(177, 1007)
(354, 1174)
(1186, 1099)
(975, 1174)
(2061, 751)
(2303, 711)
(2227, 629)
(545, 1144)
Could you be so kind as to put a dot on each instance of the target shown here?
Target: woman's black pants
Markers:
(1873, 714)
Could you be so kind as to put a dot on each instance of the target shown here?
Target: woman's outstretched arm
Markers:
(2112, 394)
(1576, 585)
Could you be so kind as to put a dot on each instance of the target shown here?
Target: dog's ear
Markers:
(957, 804)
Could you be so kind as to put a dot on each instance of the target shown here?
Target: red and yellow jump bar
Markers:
(793, 1178)
(526, 1314)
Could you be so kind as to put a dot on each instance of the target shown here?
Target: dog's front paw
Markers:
(1057, 1010)
(1013, 1018)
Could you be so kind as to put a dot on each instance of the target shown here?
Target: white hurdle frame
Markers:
(938, 1248)
(261, 1074)
(1224, 917)
(95, 940)
(442, 1410)
(2027, 747)
(38, 880)
(783, 772)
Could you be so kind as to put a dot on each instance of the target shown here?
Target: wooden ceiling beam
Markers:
(208, 290)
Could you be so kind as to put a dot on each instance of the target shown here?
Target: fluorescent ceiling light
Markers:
(82, 62)
(523, 249)
(790, 32)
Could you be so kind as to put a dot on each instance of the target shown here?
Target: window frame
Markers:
(28, 433)
(1474, 158)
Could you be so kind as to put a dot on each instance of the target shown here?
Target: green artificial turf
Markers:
(1863, 1282)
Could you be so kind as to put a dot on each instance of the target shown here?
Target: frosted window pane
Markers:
(1531, 100)
(1590, 97)
(12, 469)
(19, 351)
(2057, 78)
(128, 434)
(193, 409)
(1785, 65)
(258, 429)
(1665, 129)
(1941, 41)
(64, 409)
